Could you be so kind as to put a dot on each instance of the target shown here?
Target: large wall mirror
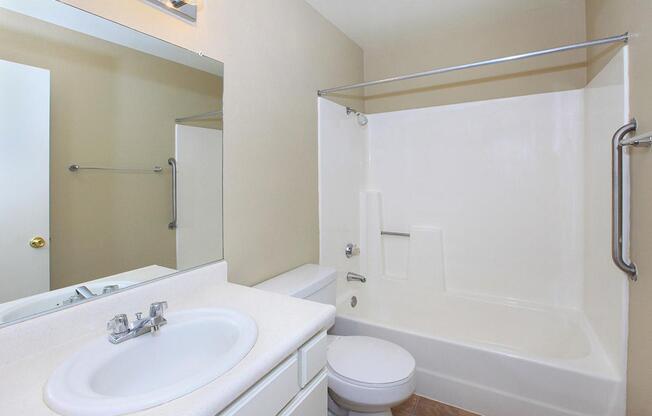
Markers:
(111, 160)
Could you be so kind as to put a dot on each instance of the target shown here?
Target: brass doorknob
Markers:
(37, 242)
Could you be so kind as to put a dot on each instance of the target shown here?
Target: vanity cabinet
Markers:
(297, 386)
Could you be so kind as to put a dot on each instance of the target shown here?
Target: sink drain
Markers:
(354, 301)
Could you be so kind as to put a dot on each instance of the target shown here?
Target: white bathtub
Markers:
(496, 359)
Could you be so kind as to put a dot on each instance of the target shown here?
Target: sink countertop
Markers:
(284, 324)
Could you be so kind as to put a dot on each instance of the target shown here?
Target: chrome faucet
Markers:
(120, 329)
(84, 292)
(354, 277)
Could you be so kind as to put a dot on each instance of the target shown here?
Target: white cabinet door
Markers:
(270, 395)
(24, 179)
(311, 401)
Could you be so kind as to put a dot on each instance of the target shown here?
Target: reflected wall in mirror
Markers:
(111, 167)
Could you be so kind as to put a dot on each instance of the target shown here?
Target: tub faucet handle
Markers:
(351, 250)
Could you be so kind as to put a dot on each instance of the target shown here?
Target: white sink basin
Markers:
(193, 349)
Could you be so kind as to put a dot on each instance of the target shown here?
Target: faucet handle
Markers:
(110, 289)
(158, 309)
(118, 325)
(351, 250)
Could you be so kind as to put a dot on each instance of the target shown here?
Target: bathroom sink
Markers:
(194, 348)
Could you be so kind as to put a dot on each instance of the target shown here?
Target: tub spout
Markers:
(354, 277)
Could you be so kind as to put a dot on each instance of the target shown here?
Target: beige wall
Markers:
(276, 55)
(111, 106)
(608, 17)
(555, 23)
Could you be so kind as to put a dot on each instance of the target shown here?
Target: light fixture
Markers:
(179, 3)
(185, 9)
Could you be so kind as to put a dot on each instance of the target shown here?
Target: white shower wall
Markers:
(500, 186)
(342, 175)
(605, 286)
(501, 179)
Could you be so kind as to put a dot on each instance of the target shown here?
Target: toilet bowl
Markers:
(366, 376)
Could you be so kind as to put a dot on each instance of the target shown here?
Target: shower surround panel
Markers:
(501, 179)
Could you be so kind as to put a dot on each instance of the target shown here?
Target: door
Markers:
(24, 180)
(199, 195)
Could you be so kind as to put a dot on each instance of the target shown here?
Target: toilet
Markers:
(366, 376)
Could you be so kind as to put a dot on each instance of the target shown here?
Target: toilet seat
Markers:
(369, 361)
(369, 374)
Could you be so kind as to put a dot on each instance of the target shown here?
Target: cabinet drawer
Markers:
(312, 358)
(270, 394)
(312, 401)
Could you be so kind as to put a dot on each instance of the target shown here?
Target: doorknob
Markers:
(37, 242)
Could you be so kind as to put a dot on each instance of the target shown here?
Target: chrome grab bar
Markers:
(173, 224)
(617, 199)
(395, 234)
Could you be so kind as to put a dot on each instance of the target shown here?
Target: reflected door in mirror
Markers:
(24, 180)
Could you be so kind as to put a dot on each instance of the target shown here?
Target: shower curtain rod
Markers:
(612, 39)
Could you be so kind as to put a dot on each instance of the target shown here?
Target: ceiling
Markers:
(375, 22)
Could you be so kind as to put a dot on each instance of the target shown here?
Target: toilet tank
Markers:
(310, 282)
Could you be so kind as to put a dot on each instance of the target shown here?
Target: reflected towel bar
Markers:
(75, 168)
(395, 234)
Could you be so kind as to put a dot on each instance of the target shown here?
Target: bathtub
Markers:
(489, 357)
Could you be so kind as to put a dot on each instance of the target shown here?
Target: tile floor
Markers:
(420, 406)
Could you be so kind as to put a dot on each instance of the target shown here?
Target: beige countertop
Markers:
(31, 350)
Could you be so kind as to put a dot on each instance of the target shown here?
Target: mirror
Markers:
(111, 162)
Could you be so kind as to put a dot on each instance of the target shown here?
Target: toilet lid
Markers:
(370, 360)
